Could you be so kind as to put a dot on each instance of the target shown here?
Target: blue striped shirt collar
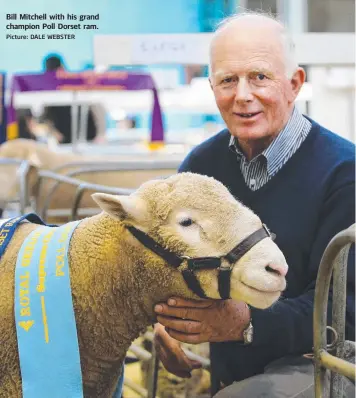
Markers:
(282, 145)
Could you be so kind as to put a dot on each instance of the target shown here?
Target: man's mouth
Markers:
(247, 115)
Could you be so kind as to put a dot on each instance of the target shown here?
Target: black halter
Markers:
(199, 263)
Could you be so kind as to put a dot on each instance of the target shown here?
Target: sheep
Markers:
(40, 157)
(116, 280)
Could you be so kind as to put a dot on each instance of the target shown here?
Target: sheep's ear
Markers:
(123, 207)
(34, 160)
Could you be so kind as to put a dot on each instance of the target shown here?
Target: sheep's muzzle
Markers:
(200, 263)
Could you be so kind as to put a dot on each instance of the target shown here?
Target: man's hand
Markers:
(193, 321)
(171, 354)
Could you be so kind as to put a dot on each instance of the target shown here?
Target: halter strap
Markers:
(200, 263)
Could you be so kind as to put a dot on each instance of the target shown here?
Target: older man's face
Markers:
(248, 77)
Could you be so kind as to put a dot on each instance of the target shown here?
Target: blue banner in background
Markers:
(2, 108)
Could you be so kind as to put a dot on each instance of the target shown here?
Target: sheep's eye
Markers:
(186, 223)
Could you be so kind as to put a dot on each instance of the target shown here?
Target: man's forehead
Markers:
(245, 38)
(247, 55)
(247, 43)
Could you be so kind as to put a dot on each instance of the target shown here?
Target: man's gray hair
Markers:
(287, 41)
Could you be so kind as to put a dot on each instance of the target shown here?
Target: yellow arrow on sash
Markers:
(26, 325)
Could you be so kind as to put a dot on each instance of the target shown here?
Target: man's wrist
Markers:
(248, 331)
(246, 322)
(242, 318)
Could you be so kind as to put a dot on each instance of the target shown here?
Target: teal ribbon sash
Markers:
(44, 315)
(8, 228)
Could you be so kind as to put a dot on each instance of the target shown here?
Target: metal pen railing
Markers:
(42, 175)
(93, 169)
(81, 167)
(86, 186)
(334, 260)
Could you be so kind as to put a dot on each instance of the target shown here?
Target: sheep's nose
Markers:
(280, 270)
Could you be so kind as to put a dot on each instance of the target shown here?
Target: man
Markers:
(59, 118)
(299, 178)
(25, 121)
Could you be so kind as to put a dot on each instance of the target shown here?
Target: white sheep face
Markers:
(196, 216)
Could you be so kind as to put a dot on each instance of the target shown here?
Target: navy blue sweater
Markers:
(306, 203)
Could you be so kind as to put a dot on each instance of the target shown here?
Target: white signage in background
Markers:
(148, 51)
(193, 48)
(163, 49)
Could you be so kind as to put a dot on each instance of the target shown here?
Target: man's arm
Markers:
(289, 321)
(171, 354)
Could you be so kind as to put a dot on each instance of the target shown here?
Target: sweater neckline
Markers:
(246, 191)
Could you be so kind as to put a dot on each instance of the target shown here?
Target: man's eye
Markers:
(261, 76)
(227, 80)
(186, 223)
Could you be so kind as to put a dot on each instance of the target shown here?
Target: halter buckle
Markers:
(269, 233)
(227, 267)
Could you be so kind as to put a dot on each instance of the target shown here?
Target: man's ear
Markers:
(297, 81)
(34, 160)
(122, 207)
(210, 83)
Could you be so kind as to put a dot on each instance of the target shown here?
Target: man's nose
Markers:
(243, 91)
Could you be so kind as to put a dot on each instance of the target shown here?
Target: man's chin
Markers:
(249, 134)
